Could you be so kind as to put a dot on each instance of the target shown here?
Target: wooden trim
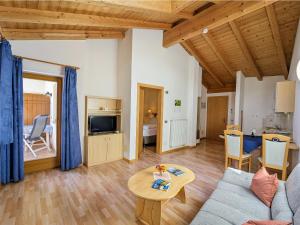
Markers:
(208, 38)
(277, 39)
(129, 160)
(286, 152)
(25, 15)
(178, 149)
(192, 49)
(245, 49)
(215, 16)
(219, 90)
(44, 61)
(49, 163)
(139, 114)
(55, 34)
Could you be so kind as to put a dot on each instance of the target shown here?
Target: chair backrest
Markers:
(39, 124)
(234, 143)
(275, 151)
(233, 127)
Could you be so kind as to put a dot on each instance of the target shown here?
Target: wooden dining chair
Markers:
(275, 150)
(234, 141)
(233, 127)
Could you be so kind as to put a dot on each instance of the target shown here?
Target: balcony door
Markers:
(42, 107)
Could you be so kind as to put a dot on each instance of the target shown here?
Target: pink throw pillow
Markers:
(264, 186)
(267, 222)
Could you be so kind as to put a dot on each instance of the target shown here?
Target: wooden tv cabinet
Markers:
(103, 148)
(107, 147)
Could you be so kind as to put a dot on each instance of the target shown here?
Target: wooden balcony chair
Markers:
(35, 137)
(234, 149)
(275, 149)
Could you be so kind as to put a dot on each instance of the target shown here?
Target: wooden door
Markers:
(217, 111)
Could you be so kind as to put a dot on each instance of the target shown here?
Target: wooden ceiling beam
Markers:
(179, 5)
(211, 18)
(219, 55)
(54, 34)
(157, 6)
(191, 48)
(24, 15)
(245, 49)
(227, 88)
(277, 40)
(162, 7)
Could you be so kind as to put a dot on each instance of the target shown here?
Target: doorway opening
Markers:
(41, 123)
(217, 113)
(149, 118)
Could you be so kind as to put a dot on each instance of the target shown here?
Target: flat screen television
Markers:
(102, 124)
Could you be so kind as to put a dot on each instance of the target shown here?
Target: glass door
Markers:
(42, 111)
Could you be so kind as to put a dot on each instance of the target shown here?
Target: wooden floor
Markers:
(99, 195)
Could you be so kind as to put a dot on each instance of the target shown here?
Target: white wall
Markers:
(167, 67)
(97, 60)
(293, 76)
(259, 102)
(34, 86)
(124, 85)
(239, 97)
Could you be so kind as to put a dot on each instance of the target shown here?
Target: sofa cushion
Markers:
(243, 201)
(231, 214)
(238, 177)
(267, 222)
(296, 219)
(280, 209)
(292, 189)
(206, 218)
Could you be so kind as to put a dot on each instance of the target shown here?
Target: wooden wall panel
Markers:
(35, 104)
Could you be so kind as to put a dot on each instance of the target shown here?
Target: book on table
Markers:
(161, 184)
(175, 171)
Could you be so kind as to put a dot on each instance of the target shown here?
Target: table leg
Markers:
(148, 211)
(181, 195)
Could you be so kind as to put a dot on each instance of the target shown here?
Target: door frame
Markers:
(140, 115)
(48, 163)
(226, 118)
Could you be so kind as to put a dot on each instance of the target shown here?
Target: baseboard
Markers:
(178, 149)
(129, 160)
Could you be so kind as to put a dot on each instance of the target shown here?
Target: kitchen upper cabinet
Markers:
(285, 96)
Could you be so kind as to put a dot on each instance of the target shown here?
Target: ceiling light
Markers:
(205, 30)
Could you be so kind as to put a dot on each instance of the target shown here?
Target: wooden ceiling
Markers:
(256, 37)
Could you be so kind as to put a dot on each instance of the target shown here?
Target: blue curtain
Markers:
(70, 138)
(11, 117)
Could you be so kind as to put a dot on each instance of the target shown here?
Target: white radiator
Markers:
(178, 133)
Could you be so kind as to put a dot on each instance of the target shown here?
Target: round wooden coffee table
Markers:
(150, 201)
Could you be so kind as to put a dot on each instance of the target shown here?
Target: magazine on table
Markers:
(175, 171)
